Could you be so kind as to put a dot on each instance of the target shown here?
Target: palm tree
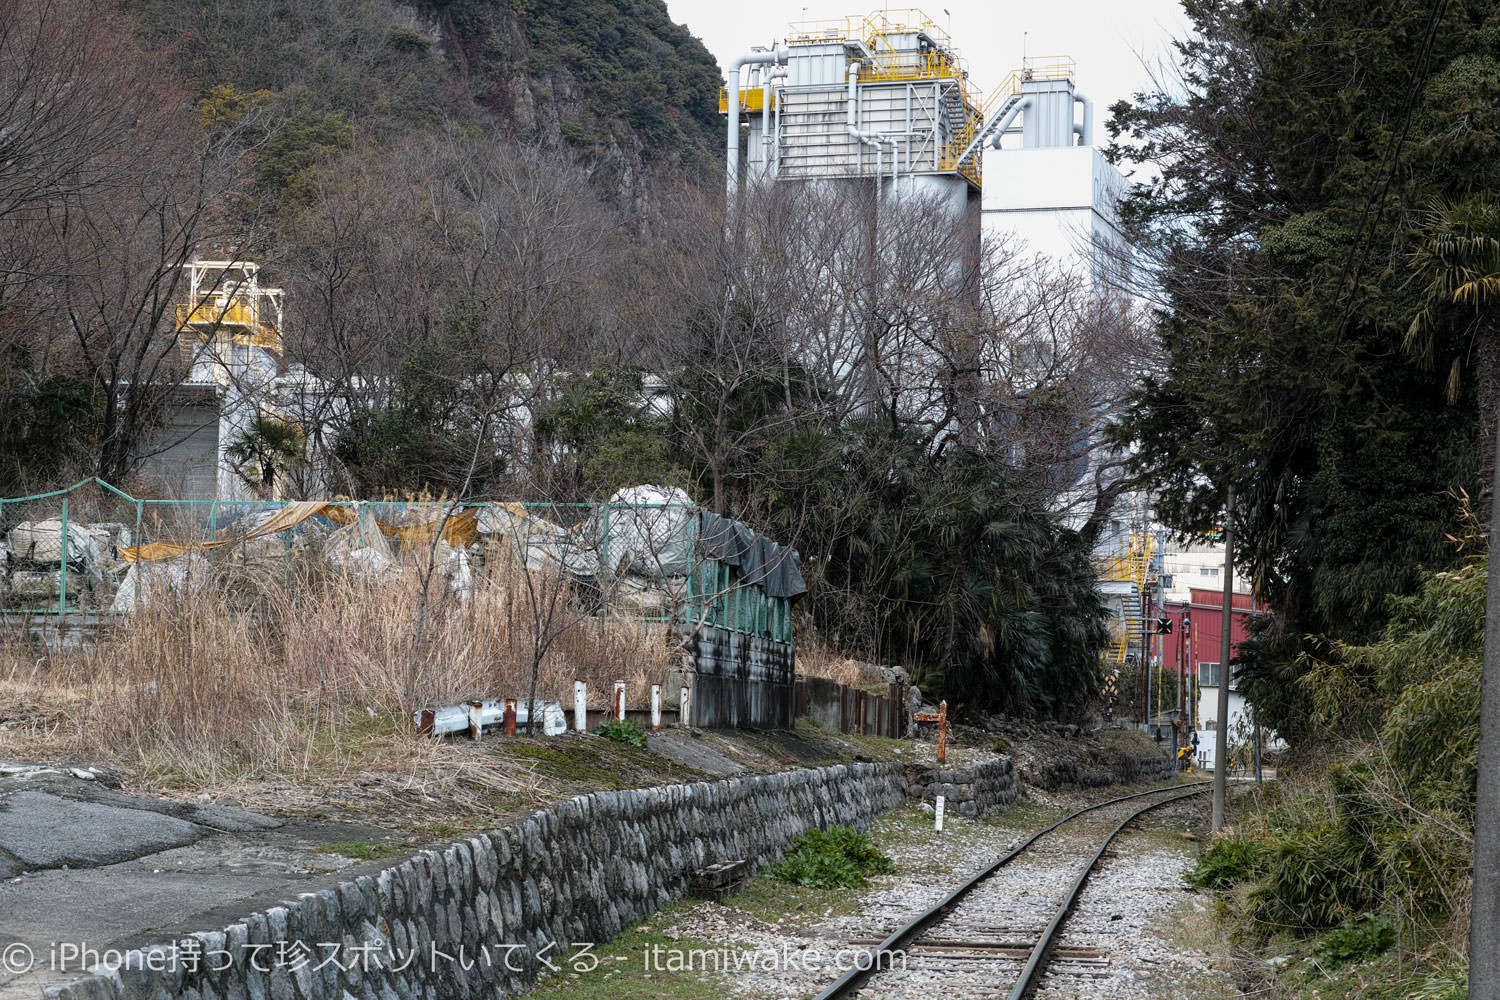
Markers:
(270, 446)
(1459, 254)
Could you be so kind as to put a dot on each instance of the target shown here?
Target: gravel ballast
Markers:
(1118, 944)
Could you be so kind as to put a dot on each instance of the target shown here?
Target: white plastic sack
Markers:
(41, 542)
(366, 564)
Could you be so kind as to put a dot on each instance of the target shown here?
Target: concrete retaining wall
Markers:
(470, 920)
(986, 787)
(740, 681)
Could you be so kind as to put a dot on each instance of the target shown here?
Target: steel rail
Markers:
(1037, 962)
(846, 984)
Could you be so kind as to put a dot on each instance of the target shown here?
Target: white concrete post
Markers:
(656, 708)
(620, 700)
(682, 709)
(939, 814)
(580, 706)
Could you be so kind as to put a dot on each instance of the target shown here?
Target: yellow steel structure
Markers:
(750, 100)
(1135, 565)
(226, 298)
(887, 63)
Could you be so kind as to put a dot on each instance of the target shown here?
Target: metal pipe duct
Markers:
(1085, 132)
(868, 138)
(997, 130)
(767, 135)
(732, 157)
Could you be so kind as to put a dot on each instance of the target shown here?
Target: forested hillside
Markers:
(616, 86)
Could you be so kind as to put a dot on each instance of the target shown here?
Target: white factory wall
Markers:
(1059, 202)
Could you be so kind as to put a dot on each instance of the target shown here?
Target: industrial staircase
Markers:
(999, 107)
(992, 121)
(1137, 566)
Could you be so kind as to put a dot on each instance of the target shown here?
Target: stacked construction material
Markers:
(40, 564)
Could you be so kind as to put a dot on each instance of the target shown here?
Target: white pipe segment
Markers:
(769, 136)
(732, 158)
(997, 133)
(1085, 132)
(868, 138)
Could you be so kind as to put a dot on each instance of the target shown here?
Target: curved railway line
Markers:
(985, 933)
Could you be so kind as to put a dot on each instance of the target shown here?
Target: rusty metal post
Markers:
(580, 706)
(682, 708)
(510, 717)
(943, 730)
(656, 708)
(620, 701)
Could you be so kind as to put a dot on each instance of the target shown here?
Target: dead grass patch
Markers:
(816, 659)
(287, 686)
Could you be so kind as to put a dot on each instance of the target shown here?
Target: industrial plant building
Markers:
(886, 98)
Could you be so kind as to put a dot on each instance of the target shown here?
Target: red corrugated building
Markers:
(1194, 650)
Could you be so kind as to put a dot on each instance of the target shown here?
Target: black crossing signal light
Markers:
(1164, 626)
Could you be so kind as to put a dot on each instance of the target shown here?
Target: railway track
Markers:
(994, 929)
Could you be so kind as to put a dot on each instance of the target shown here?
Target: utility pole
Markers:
(1484, 918)
(1221, 725)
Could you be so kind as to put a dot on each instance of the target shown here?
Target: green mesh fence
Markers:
(67, 552)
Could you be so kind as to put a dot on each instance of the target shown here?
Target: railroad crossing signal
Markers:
(1164, 625)
(1111, 696)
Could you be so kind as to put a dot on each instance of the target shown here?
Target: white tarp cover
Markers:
(146, 581)
(41, 542)
(649, 532)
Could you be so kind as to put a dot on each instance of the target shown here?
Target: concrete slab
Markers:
(62, 917)
(228, 819)
(40, 830)
(674, 744)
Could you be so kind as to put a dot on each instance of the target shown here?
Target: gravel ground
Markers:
(1117, 945)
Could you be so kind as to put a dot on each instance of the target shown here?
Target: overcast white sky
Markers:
(1108, 38)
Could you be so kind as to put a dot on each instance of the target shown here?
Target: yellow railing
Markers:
(1119, 640)
(866, 28)
(874, 27)
(233, 313)
(1041, 68)
(753, 99)
(1134, 565)
(888, 64)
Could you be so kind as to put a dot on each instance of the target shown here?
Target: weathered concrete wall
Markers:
(823, 702)
(976, 790)
(471, 920)
(741, 681)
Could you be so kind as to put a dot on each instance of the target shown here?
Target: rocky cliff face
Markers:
(616, 84)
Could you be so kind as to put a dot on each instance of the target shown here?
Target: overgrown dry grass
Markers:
(310, 676)
(816, 659)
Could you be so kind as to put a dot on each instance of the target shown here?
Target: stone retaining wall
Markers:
(470, 920)
(1111, 767)
(986, 787)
